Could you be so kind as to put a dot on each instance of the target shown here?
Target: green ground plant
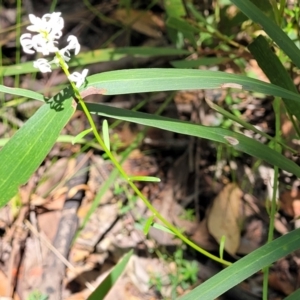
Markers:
(183, 273)
(36, 137)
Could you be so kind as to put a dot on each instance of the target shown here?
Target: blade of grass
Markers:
(109, 281)
(95, 56)
(271, 28)
(205, 61)
(245, 267)
(294, 296)
(275, 71)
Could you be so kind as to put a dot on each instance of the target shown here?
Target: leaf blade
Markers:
(30, 145)
(245, 267)
(221, 135)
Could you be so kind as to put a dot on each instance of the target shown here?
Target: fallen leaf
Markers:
(5, 287)
(224, 218)
(142, 21)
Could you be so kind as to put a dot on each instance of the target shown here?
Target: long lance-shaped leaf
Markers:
(294, 296)
(112, 277)
(236, 140)
(274, 70)
(26, 150)
(245, 267)
(153, 80)
(271, 28)
(22, 92)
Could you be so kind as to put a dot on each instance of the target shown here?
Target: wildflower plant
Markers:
(48, 31)
(25, 151)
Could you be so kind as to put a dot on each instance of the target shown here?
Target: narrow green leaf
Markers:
(266, 7)
(153, 80)
(238, 141)
(162, 228)
(105, 133)
(26, 150)
(104, 287)
(148, 224)
(245, 267)
(81, 135)
(95, 56)
(144, 178)
(181, 25)
(271, 28)
(240, 121)
(294, 296)
(274, 70)
(222, 246)
(205, 61)
(22, 92)
(175, 8)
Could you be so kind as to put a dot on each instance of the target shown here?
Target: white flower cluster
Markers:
(49, 30)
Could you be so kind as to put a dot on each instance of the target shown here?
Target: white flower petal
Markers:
(36, 23)
(43, 65)
(44, 46)
(27, 43)
(78, 78)
(73, 44)
(54, 24)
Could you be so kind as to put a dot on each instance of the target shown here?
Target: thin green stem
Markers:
(126, 177)
(272, 211)
(276, 11)
(281, 10)
(18, 33)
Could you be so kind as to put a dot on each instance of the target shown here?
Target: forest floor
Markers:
(207, 190)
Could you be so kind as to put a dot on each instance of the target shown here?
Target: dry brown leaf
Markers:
(5, 287)
(287, 199)
(224, 218)
(142, 21)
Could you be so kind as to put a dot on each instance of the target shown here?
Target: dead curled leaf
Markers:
(225, 218)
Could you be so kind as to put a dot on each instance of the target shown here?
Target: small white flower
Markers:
(55, 24)
(27, 43)
(37, 23)
(73, 44)
(78, 78)
(43, 65)
(49, 26)
(65, 55)
(43, 46)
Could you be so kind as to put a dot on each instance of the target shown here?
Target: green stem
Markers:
(281, 10)
(126, 177)
(18, 34)
(272, 212)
